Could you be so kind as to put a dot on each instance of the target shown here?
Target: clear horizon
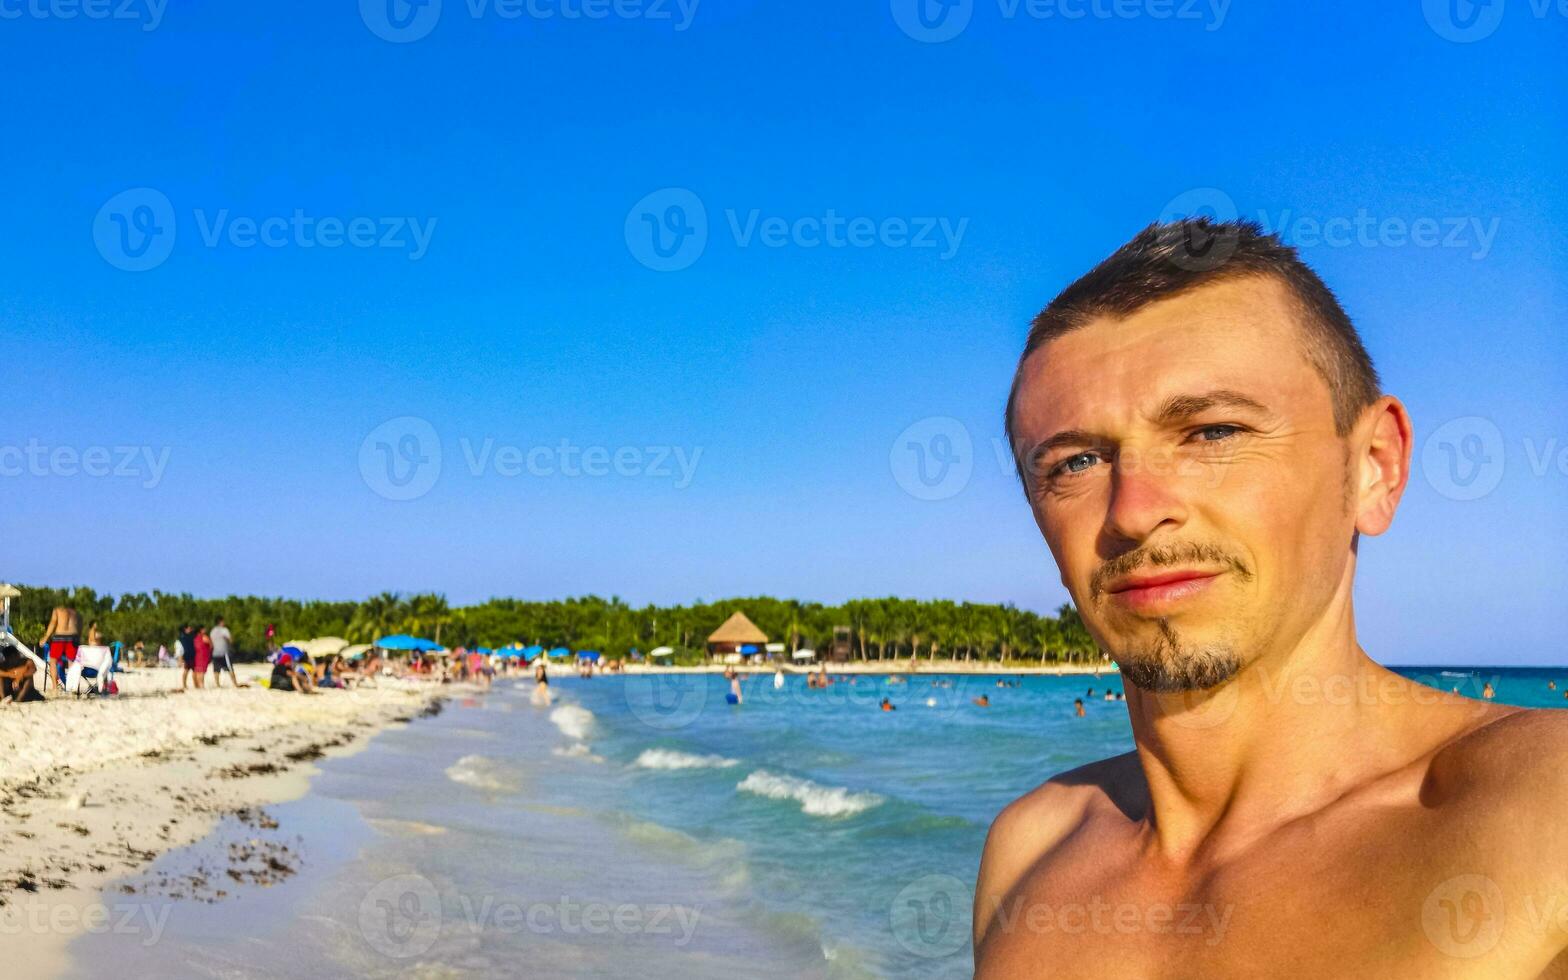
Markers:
(543, 306)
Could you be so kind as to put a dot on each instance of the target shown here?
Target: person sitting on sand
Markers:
(289, 676)
(16, 673)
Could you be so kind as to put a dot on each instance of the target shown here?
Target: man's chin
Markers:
(1182, 673)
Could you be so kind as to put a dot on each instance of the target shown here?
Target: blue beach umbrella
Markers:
(530, 653)
(587, 654)
(560, 652)
(401, 642)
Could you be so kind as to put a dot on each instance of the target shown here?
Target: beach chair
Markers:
(89, 672)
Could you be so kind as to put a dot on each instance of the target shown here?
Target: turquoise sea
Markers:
(640, 826)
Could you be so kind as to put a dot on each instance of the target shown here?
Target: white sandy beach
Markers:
(94, 789)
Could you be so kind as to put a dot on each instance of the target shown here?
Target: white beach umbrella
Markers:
(803, 654)
(324, 646)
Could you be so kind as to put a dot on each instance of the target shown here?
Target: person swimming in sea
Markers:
(1078, 707)
(983, 701)
(888, 705)
(1487, 692)
(734, 678)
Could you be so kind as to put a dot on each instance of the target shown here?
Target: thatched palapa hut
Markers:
(737, 635)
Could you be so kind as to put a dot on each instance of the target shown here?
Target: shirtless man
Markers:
(1203, 440)
(61, 637)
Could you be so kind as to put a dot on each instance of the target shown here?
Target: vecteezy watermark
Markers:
(665, 702)
(935, 21)
(135, 230)
(668, 230)
(144, 920)
(1360, 229)
(1464, 915)
(933, 458)
(1465, 21)
(930, 916)
(1465, 458)
(144, 463)
(401, 459)
(404, 21)
(568, 459)
(404, 916)
(148, 13)
(1203, 920)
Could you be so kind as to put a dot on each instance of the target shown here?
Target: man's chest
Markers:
(1394, 903)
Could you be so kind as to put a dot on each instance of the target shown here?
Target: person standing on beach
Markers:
(1203, 441)
(187, 645)
(203, 656)
(62, 635)
(223, 654)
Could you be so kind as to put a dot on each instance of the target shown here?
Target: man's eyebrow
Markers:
(1178, 408)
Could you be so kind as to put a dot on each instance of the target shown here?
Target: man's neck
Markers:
(1290, 733)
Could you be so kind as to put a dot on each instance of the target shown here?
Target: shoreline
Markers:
(94, 791)
(903, 667)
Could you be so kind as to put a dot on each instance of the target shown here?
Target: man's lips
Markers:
(1161, 589)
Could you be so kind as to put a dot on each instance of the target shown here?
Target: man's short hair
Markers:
(1166, 260)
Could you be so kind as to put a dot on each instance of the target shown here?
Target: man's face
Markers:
(1192, 438)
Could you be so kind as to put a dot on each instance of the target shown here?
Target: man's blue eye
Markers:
(1068, 464)
(1225, 431)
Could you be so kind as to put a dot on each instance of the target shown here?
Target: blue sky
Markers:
(877, 213)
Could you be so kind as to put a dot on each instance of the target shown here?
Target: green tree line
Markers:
(879, 629)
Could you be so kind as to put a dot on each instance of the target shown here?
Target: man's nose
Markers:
(1146, 492)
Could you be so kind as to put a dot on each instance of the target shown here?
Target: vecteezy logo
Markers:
(933, 459)
(400, 21)
(666, 701)
(1464, 916)
(667, 230)
(1200, 250)
(135, 229)
(401, 916)
(929, 915)
(932, 21)
(401, 458)
(1463, 459)
(1463, 21)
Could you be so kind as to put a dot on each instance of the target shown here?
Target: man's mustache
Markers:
(1186, 553)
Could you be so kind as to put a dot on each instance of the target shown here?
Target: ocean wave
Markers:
(573, 720)
(815, 799)
(577, 750)
(673, 759)
(483, 773)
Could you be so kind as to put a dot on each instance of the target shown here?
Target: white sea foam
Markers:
(673, 759)
(573, 720)
(577, 750)
(482, 773)
(815, 799)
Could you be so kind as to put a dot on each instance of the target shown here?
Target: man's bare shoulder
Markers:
(1033, 825)
(1517, 757)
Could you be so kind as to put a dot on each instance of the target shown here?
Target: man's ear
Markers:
(1380, 463)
